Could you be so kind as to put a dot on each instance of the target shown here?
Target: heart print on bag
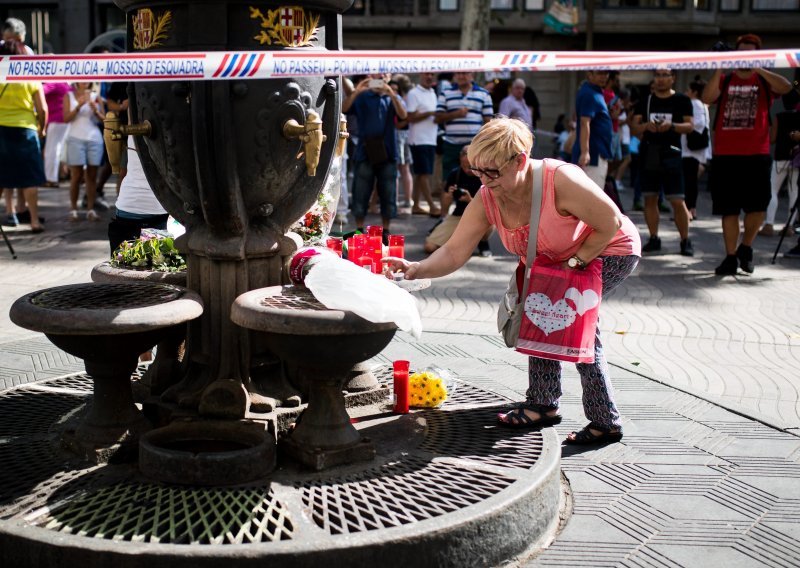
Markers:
(547, 316)
(583, 302)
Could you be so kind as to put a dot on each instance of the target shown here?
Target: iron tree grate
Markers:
(474, 435)
(150, 513)
(397, 494)
(31, 472)
(24, 412)
(107, 296)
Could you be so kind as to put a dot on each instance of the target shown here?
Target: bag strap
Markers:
(647, 115)
(3, 91)
(533, 227)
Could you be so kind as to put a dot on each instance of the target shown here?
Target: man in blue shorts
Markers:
(421, 104)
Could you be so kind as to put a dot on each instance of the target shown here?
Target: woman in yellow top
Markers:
(23, 116)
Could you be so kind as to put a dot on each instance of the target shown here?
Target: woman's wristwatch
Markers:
(576, 263)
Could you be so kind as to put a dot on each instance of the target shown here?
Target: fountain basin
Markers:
(207, 453)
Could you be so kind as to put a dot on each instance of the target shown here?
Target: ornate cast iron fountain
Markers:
(236, 162)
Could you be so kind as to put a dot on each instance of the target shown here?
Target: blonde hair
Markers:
(500, 139)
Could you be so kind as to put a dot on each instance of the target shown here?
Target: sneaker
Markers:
(620, 185)
(637, 206)
(11, 220)
(728, 266)
(73, 215)
(92, 215)
(101, 204)
(792, 253)
(767, 231)
(745, 255)
(686, 247)
(653, 245)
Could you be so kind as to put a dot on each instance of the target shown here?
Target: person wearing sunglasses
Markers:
(577, 224)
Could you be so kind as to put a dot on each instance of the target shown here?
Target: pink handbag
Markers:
(561, 311)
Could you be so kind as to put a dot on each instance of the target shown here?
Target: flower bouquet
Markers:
(315, 225)
(154, 251)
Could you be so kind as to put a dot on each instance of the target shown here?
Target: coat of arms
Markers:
(149, 30)
(289, 26)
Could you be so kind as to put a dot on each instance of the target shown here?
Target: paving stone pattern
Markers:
(705, 371)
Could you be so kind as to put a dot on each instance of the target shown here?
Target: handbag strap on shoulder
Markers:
(537, 192)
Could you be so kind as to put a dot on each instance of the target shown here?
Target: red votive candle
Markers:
(335, 244)
(366, 262)
(397, 246)
(401, 387)
(375, 230)
(353, 250)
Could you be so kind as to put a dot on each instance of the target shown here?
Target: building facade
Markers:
(619, 25)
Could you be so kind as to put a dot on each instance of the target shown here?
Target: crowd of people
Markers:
(407, 147)
(48, 132)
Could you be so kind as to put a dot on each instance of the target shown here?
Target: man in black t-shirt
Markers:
(660, 119)
(459, 187)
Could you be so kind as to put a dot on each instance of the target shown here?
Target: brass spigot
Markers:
(114, 145)
(310, 134)
(341, 146)
(115, 136)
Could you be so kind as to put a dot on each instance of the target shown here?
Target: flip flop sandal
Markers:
(586, 438)
(518, 419)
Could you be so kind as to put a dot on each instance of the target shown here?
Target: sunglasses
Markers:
(492, 174)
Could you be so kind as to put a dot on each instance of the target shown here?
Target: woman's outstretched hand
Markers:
(395, 264)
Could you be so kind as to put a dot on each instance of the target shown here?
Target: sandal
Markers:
(518, 419)
(587, 438)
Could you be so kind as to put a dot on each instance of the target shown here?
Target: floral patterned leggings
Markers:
(544, 375)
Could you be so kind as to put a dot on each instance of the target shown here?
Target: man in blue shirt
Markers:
(592, 148)
(375, 105)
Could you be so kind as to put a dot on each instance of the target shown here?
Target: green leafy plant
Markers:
(153, 250)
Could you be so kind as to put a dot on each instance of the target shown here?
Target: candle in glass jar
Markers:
(335, 244)
(366, 262)
(400, 369)
(375, 230)
(397, 246)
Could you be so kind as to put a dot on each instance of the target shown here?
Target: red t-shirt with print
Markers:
(742, 127)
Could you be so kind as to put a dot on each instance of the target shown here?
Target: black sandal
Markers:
(586, 438)
(518, 419)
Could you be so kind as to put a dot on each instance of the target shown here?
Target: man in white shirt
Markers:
(513, 106)
(421, 105)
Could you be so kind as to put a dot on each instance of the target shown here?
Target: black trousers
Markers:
(120, 229)
(690, 169)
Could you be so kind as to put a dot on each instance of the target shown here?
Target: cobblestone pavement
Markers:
(704, 370)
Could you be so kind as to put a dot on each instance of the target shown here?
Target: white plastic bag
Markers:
(341, 285)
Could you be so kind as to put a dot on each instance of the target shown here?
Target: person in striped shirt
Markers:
(462, 109)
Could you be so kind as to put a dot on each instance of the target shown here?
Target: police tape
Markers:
(154, 66)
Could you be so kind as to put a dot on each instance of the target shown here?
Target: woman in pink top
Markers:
(56, 130)
(577, 224)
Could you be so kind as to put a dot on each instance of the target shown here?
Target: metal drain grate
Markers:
(24, 412)
(294, 298)
(106, 296)
(149, 513)
(462, 394)
(397, 494)
(474, 435)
